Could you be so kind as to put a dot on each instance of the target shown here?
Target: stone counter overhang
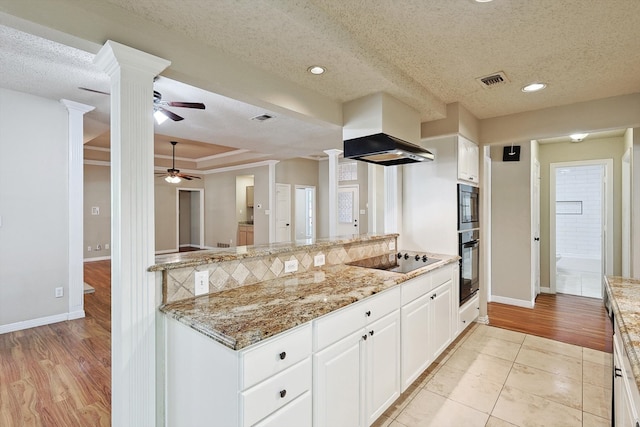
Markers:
(624, 296)
(246, 315)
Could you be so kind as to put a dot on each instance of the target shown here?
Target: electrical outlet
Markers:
(202, 282)
(98, 247)
(106, 246)
(291, 266)
(88, 248)
(59, 292)
(318, 260)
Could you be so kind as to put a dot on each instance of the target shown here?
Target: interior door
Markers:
(283, 213)
(348, 206)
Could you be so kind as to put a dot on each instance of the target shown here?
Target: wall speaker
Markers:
(511, 153)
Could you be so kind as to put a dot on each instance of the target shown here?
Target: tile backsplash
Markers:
(179, 283)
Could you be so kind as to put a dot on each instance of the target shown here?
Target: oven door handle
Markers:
(471, 244)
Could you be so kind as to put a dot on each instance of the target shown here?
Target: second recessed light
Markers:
(534, 87)
(316, 70)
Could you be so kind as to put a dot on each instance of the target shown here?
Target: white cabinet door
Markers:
(415, 346)
(382, 349)
(440, 324)
(338, 387)
(468, 160)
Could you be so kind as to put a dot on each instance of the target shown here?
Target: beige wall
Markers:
(589, 149)
(511, 225)
(220, 220)
(97, 193)
(34, 208)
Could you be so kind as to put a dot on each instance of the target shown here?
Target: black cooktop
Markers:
(402, 262)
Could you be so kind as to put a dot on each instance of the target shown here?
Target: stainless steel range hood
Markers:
(386, 150)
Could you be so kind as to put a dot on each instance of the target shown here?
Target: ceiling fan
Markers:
(159, 112)
(173, 175)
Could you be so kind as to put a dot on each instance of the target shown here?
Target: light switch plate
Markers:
(202, 282)
(291, 266)
(318, 260)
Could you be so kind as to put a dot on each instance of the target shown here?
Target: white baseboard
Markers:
(76, 315)
(483, 319)
(32, 323)
(546, 290)
(98, 258)
(512, 301)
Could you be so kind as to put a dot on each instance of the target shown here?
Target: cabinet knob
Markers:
(617, 372)
(368, 313)
(364, 337)
(283, 393)
(283, 355)
(371, 333)
(433, 296)
(464, 321)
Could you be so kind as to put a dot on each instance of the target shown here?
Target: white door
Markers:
(535, 228)
(383, 365)
(305, 207)
(283, 213)
(338, 384)
(348, 206)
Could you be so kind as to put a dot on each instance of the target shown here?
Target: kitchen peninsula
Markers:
(265, 347)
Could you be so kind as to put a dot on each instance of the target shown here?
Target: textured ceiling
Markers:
(427, 53)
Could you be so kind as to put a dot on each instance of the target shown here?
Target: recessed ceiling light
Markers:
(316, 69)
(577, 137)
(534, 87)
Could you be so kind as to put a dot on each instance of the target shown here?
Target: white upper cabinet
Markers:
(468, 160)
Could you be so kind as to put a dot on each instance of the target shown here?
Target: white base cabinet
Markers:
(427, 321)
(358, 377)
(625, 390)
(343, 369)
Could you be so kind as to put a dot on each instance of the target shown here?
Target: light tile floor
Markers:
(579, 276)
(495, 378)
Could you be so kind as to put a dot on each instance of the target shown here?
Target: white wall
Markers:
(430, 207)
(34, 204)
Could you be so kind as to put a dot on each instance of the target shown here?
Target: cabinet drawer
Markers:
(415, 288)
(345, 321)
(468, 313)
(440, 276)
(276, 392)
(275, 355)
(295, 414)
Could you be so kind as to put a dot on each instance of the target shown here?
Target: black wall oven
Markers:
(469, 251)
(468, 207)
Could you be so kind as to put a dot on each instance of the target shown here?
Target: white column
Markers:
(333, 191)
(76, 181)
(392, 199)
(272, 200)
(133, 291)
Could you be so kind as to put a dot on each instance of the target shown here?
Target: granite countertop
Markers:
(249, 314)
(192, 259)
(624, 294)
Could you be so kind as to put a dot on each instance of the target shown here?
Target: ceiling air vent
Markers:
(262, 117)
(493, 80)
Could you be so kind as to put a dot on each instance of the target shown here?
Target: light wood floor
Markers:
(60, 374)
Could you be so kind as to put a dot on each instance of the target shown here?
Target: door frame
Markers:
(535, 228)
(607, 217)
(201, 201)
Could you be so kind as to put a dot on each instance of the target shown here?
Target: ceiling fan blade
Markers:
(173, 116)
(188, 177)
(93, 90)
(198, 105)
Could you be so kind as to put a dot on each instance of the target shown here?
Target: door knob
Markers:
(537, 239)
(287, 225)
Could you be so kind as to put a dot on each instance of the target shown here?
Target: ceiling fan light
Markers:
(172, 179)
(160, 117)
